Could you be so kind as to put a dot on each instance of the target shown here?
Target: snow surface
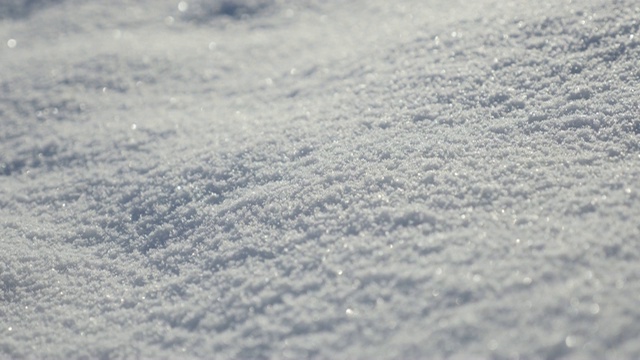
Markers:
(324, 179)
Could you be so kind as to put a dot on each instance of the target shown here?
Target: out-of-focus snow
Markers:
(250, 179)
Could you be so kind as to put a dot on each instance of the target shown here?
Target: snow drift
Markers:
(266, 179)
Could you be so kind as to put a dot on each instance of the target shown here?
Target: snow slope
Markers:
(278, 178)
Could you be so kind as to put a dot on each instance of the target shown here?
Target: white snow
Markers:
(295, 179)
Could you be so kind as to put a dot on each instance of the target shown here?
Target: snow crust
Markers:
(307, 179)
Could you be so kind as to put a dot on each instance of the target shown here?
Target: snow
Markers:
(280, 179)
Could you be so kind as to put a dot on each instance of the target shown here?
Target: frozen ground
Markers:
(324, 179)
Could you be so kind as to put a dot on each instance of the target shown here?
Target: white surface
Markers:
(319, 179)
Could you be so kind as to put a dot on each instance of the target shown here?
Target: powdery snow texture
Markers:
(273, 179)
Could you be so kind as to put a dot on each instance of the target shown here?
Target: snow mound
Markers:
(468, 191)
